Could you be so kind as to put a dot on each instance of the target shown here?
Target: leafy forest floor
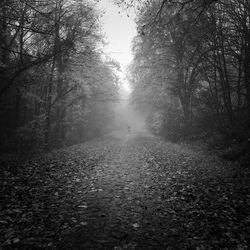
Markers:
(124, 192)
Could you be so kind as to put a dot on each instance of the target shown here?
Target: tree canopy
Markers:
(52, 67)
(193, 58)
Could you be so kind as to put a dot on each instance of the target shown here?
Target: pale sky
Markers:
(119, 30)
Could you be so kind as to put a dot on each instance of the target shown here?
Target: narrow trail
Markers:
(125, 192)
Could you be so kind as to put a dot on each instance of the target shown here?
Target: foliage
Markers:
(195, 56)
(51, 66)
(30, 137)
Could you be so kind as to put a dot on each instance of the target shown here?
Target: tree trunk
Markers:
(247, 61)
(48, 109)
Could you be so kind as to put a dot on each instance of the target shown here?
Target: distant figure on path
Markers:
(129, 129)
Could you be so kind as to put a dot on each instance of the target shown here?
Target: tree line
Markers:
(191, 68)
(56, 83)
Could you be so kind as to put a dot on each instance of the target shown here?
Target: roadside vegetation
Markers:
(57, 85)
(190, 72)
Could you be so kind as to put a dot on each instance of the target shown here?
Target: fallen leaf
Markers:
(136, 225)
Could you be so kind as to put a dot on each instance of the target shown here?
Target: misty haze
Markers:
(125, 125)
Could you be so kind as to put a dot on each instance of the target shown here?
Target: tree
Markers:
(51, 64)
(200, 52)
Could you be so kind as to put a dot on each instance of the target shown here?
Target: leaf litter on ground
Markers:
(164, 190)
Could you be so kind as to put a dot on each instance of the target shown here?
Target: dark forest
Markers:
(95, 154)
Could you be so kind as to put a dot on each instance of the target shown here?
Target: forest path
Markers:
(121, 196)
(126, 191)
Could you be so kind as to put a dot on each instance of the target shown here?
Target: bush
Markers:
(174, 127)
(28, 138)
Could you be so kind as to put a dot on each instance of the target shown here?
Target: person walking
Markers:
(129, 129)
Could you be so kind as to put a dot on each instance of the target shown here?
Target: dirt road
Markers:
(127, 191)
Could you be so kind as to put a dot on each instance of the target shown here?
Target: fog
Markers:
(126, 116)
